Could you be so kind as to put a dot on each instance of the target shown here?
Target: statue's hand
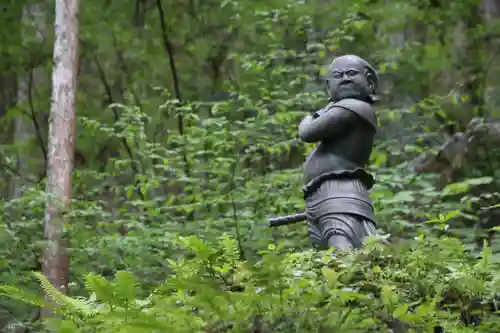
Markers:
(319, 112)
(322, 111)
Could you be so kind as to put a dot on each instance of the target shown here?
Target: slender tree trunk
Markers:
(61, 143)
(474, 62)
(492, 18)
(29, 159)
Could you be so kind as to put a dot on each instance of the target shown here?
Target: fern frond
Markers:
(122, 321)
(61, 299)
(101, 287)
(229, 246)
(125, 286)
(23, 296)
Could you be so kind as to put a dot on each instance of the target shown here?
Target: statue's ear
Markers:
(327, 87)
(371, 78)
(372, 82)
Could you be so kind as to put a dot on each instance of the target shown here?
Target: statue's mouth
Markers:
(347, 92)
(346, 85)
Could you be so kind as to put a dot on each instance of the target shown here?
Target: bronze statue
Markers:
(338, 209)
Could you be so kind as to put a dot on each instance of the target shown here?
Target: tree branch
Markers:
(173, 69)
(38, 130)
(109, 93)
(169, 49)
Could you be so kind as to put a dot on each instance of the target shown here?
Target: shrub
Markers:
(421, 285)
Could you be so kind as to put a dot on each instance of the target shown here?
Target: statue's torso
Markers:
(344, 156)
(350, 153)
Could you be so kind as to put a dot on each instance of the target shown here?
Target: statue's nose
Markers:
(345, 80)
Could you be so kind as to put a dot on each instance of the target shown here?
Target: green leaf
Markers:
(330, 275)
(400, 311)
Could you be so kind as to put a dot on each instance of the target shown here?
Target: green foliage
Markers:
(418, 285)
(203, 141)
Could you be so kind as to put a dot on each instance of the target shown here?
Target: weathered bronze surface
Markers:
(338, 209)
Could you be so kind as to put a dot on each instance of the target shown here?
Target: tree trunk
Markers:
(61, 143)
(33, 25)
(492, 18)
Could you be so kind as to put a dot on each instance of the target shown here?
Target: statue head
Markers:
(350, 76)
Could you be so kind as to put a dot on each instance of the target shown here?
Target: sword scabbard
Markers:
(286, 220)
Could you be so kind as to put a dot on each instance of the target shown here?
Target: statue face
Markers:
(348, 79)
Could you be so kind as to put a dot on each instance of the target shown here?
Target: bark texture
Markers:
(61, 143)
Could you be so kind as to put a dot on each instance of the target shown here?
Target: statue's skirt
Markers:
(340, 214)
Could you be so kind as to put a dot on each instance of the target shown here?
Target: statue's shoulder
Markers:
(361, 108)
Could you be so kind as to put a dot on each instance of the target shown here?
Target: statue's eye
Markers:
(337, 75)
(351, 72)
